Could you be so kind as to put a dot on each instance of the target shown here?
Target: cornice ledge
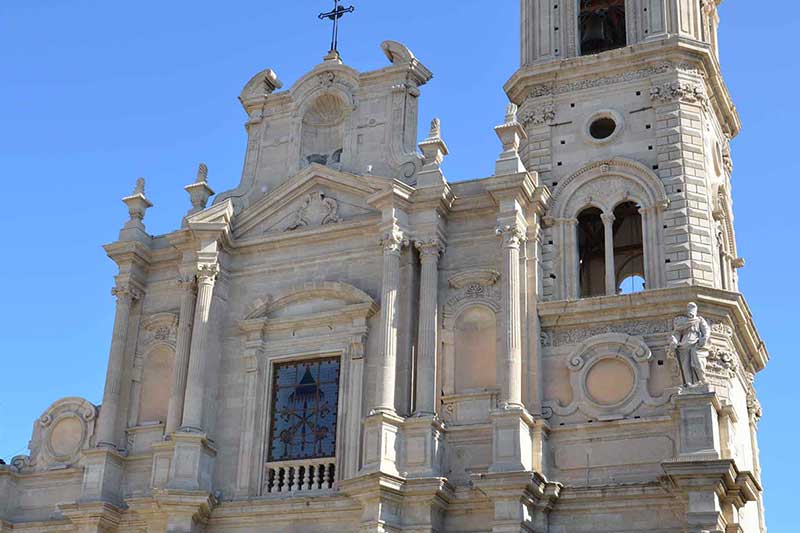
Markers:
(129, 251)
(521, 186)
(480, 276)
(396, 194)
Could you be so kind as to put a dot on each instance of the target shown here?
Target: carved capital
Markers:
(608, 219)
(679, 91)
(538, 116)
(126, 293)
(393, 241)
(207, 272)
(430, 248)
(512, 236)
(187, 282)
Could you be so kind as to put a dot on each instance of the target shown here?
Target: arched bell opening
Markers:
(591, 253)
(602, 25)
(629, 249)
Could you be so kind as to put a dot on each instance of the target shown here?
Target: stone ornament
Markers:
(316, 210)
(679, 91)
(538, 116)
(394, 241)
(687, 345)
(61, 433)
(137, 202)
(609, 374)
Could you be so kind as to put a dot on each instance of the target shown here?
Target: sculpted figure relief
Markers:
(688, 340)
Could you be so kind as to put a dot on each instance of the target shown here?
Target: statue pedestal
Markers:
(697, 413)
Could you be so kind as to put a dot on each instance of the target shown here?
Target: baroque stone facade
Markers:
(349, 342)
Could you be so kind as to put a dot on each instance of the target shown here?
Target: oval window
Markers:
(602, 128)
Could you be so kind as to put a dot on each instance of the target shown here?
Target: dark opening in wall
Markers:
(628, 249)
(592, 253)
(602, 25)
(602, 128)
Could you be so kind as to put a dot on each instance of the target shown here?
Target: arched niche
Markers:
(323, 130)
(470, 346)
(475, 344)
(606, 185)
(156, 384)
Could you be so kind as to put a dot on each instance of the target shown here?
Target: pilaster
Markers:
(103, 471)
(188, 285)
(522, 500)
(423, 447)
(429, 251)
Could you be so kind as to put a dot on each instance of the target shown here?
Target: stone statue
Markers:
(688, 340)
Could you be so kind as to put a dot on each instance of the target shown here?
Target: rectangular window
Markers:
(305, 397)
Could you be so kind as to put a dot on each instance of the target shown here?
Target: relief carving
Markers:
(561, 337)
(317, 210)
(679, 91)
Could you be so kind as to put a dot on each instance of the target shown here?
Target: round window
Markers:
(602, 128)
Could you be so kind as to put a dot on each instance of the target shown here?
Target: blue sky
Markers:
(94, 94)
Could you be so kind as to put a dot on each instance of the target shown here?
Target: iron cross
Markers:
(337, 13)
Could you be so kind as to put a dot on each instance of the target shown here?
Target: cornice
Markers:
(667, 303)
(638, 61)
(129, 252)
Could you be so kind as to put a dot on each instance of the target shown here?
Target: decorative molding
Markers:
(628, 350)
(393, 241)
(478, 276)
(552, 88)
(538, 116)
(680, 91)
(562, 337)
(60, 434)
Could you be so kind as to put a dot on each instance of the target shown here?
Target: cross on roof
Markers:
(337, 13)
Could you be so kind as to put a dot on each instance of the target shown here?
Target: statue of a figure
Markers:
(689, 337)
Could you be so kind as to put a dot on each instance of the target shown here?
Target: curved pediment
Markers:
(311, 299)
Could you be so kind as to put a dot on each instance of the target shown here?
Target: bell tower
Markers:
(628, 88)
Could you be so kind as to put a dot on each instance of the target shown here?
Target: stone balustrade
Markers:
(310, 475)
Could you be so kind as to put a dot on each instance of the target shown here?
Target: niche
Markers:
(323, 129)
(475, 349)
(156, 385)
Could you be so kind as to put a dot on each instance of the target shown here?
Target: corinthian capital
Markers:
(394, 241)
(512, 236)
(430, 247)
(207, 272)
(126, 292)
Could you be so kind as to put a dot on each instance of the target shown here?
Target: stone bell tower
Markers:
(628, 82)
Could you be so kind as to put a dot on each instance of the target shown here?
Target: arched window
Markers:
(602, 25)
(156, 385)
(628, 249)
(591, 253)
(475, 349)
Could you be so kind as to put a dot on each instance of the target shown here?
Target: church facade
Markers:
(349, 342)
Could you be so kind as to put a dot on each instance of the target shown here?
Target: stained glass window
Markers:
(305, 396)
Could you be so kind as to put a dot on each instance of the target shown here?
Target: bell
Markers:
(596, 34)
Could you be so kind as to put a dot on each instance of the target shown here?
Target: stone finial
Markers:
(137, 203)
(433, 148)
(510, 133)
(436, 129)
(511, 113)
(199, 191)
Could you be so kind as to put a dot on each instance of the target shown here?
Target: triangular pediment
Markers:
(318, 196)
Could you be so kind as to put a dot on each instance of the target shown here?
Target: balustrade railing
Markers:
(310, 475)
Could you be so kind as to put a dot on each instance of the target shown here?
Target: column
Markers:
(196, 375)
(107, 421)
(611, 272)
(428, 326)
(182, 347)
(393, 243)
(512, 238)
(569, 259)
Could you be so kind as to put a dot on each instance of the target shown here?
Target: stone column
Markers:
(196, 375)
(107, 421)
(393, 243)
(611, 272)
(183, 344)
(428, 326)
(512, 391)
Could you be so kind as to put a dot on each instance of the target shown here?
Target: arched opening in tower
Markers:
(591, 253)
(628, 248)
(602, 25)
